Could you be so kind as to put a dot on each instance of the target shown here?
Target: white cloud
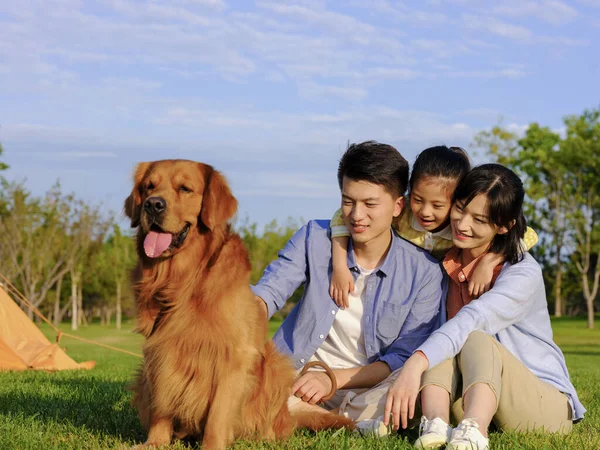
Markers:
(562, 41)
(497, 27)
(74, 155)
(551, 11)
(487, 114)
(510, 73)
(286, 184)
(399, 11)
(135, 84)
(318, 91)
(203, 119)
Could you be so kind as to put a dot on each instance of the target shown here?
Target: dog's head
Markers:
(172, 199)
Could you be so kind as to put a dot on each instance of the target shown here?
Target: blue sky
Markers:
(270, 92)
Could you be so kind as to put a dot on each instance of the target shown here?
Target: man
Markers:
(399, 289)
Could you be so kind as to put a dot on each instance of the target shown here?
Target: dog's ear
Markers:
(133, 203)
(218, 203)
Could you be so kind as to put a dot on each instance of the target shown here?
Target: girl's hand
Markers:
(402, 395)
(342, 282)
(481, 279)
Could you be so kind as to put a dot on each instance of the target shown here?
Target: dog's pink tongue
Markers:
(156, 243)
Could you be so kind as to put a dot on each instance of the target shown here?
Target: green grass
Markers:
(90, 409)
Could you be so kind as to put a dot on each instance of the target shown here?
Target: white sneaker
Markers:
(466, 436)
(373, 428)
(433, 433)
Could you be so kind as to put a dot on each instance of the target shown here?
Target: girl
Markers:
(434, 176)
(495, 355)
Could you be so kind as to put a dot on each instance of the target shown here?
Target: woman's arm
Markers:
(505, 304)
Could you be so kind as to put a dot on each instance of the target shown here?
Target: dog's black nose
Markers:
(155, 205)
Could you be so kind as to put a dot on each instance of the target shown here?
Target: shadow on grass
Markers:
(98, 405)
(582, 352)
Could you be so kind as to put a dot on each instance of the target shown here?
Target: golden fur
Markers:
(208, 372)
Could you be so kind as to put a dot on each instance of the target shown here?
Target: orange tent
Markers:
(23, 346)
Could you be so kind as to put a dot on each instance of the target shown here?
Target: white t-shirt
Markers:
(344, 346)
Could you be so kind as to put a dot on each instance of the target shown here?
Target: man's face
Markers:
(368, 209)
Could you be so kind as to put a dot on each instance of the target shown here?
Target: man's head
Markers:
(373, 178)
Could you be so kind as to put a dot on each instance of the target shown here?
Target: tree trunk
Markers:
(57, 314)
(558, 303)
(29, 296)
(118, 305)
(74, 303)
(83, 321)
(558, 238)
(590, 294)
(108, 314)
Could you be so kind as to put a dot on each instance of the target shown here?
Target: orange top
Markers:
(458, 288)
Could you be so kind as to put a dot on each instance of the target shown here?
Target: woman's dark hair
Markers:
(376, 163)
(451, 163)
(505, 193)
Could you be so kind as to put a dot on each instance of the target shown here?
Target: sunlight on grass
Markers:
(90, 409)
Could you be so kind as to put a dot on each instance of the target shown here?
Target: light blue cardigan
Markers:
(515, 312)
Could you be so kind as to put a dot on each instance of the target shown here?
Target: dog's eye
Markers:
(150, 186)
(184, 189)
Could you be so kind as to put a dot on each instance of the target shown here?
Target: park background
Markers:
(271, 93)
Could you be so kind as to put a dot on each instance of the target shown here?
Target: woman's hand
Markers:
(402, 395)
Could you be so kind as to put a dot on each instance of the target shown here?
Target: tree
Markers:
(111, 269)
(583, 147)
(263, 248)
(540, 160)
(41, 238)
(87, 231)
(2, 165)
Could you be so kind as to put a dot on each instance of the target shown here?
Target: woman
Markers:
(494, 358)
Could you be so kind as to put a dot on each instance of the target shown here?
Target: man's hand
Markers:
(263, 308)
(312, 386)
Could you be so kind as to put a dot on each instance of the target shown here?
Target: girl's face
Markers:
(430, 202)
(471, 226)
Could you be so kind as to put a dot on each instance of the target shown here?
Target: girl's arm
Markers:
(342, 281)
(481, 280)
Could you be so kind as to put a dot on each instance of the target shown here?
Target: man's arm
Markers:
(314, 385)
(422, 320)
(284, 275)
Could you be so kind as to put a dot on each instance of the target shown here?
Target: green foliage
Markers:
(561, 180)
(3, 166)
(264, 247)
(111, 265)
(91, 410)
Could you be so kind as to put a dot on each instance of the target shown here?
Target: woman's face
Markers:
(471, 226)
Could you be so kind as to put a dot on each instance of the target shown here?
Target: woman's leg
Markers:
(497, 386)
(438, 386)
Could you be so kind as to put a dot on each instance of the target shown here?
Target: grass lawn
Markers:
(90, 409)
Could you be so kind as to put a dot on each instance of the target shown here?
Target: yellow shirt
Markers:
(409, 228)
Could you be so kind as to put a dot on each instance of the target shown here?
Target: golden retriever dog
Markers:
(209, 372)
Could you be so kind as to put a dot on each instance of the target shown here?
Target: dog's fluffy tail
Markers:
(318, 421)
